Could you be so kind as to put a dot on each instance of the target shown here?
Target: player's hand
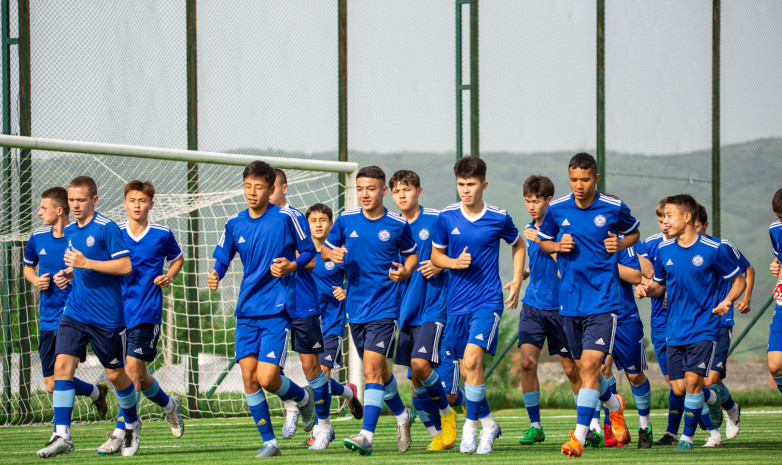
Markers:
(531, 234)
(743, 306)
(75, 259)
(60, 279)
(722, 308)
(398, 273)
(338, 255)
(282, 266)
(462, 262)
(163, 281)
(428, 269)
(525, 274)
(339, 293)
(213, 280)
(611, 242)
(774, 268)
(641, 290)
(778, 293)
(566, 244)
(42, 282)
(513, 295)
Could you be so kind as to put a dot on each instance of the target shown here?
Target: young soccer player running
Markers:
(97, 258)
(45, 250)
(467, 241)
(368, 241)
(582, 228)
(422, 316)
(266, 237)
(775, 332)
(150, 245)
(689, 267)
(540, 320)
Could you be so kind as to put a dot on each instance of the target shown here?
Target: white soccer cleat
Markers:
(322, 439)
(112, 446)
(488, 435)
(132, 439)
(57, 445)
(469, 442)
(733, 423)
(714, 441)
(291, 422)
(174, 418)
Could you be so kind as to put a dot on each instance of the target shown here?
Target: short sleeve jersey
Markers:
(148, 253)
(96, 298)
(648, 250)
(306, 293)
(258, 241)
(628, 312)
(590, 279)
(46, 252)
(332, 311)
(692, 276)
(477, 287)
(726, 320)
(373, 246)
(423, 300)
(775, 232)
(543, 286)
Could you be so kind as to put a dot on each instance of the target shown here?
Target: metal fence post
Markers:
(715, 119)
(601, 102)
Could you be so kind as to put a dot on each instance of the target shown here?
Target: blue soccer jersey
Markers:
(96, 298)
(590, 278)
(692, 276)
(628, 312)
(726, 320)
(477, 287)
(332, 311)
(775, 232)
(46, 252)
(306, 292)
(543, 285)
(148, 252)
(372, 246)
(258, 241)
(423, 300)
(648, 249)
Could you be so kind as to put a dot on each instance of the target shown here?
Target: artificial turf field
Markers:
(236, 441)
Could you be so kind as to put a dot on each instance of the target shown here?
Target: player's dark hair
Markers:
(260, 170)
(59, 198)
(538, 186)
(702, 216)
(776, 202)
(85, 181)
(686, 203)
(320, 208)
(470, 167)
(374, 172)
(278, 173)
(583, 161)
(405, 177)
(660, 210)
(146, 187)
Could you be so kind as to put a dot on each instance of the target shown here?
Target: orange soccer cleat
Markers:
(573, 448)
(618, 423)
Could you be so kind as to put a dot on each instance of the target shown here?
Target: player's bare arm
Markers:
(213, 280)
(401, 272)
(566, 244)
(519, 252)
(647, 269)
(442, 260)
(653, 290)
(336, 255)
(738, 284)
(41, 282)
(428, 269)
(743, 306)
(613, 244)
(281, 266)
(174, 268)
(118, 266)
(629, 275)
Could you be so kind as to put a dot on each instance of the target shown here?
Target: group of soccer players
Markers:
(423, 281)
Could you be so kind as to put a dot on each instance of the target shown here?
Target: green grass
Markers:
(236, 441)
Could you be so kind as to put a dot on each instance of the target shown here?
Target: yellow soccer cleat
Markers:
(449, 434)
(437, 443)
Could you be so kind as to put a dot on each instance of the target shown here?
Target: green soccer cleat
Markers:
(359, 444)
(645, 438)
(532, 435)
(715, 410)
(684, 445)
(594, 439)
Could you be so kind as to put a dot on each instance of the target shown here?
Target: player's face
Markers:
(406, 196)
(320, 225)
(471, 191)
(138, 205)
(536, 206)
(779, 216)
(676, 219)
(82, 205)
(661, 223)
(370, 192)
(583, 183)
(701, 228)
(280, 190)
(48, 212)
(257, 192)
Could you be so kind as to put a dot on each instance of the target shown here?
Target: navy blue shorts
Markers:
(480, 328)
(107, 344)
(693, 358)
(332, 352)
(661, 350)
(721, 353)
(537, 326)
(419, 342)
(590, 332)
(375, 336)
(629, 348)
(775, 331)
(266, 337)
(142, 341)
(46, 340)
(307, 335)
(448, 369)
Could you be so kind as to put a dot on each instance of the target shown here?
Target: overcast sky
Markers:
(115, 71)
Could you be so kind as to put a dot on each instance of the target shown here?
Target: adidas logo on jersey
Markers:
(422, 350)
(381, 345)
(702, 365)
(241, 240)
(139, 351)
(566, 222)
(270, 355)
(42, 252)
(479, 337)
(455, 231)
(114, 362)
(328, 357)
(316, 346)
(669, 262)
(600, 342)
(354, 234)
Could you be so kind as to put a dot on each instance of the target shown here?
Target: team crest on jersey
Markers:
(600, 221)
(329, 265)
(697, 260)
(423, 234)
(384, 235)
(90, 241)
